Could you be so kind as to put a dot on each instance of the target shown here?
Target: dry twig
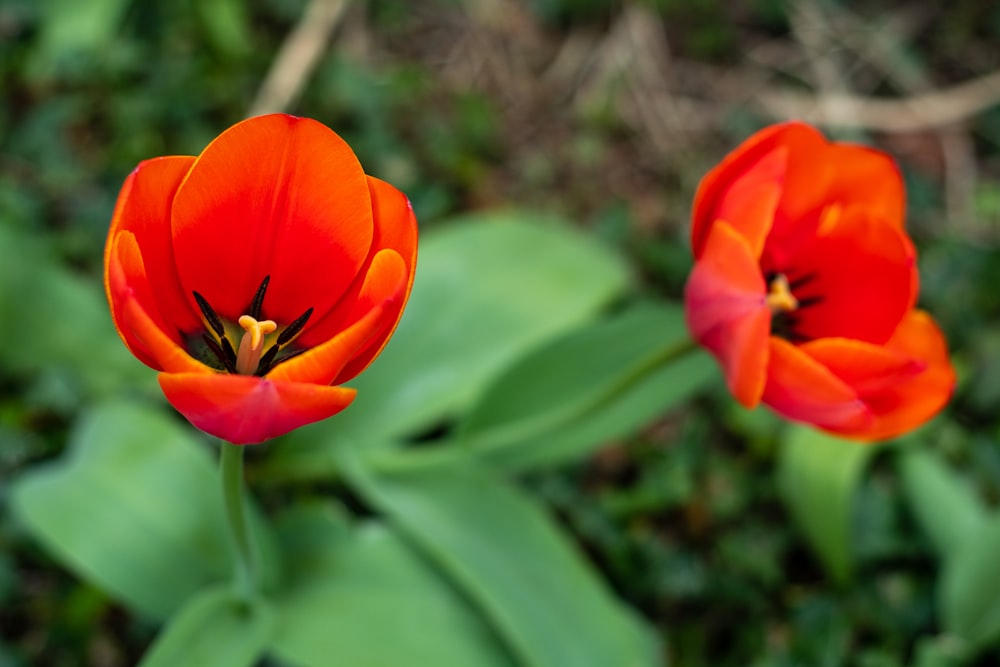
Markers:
(298, 57)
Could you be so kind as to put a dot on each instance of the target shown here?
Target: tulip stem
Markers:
(234, 503)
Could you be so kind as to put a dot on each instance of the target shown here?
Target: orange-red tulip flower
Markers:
(260, 275)
(805, 282)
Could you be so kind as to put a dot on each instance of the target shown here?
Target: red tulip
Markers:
(805, 282)
(259, 276)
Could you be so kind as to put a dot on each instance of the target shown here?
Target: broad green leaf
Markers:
(361, 596)
(134, 507)
(507, 555)
(70, 27)
(488, 289)
(941, 651)
(214, 628)
(63, 322)
(945, 507)
(818, 477)
(969, 587)
(583, 389)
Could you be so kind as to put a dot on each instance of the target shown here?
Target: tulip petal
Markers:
(387, 287)
(750, 202)
(372, 311)
(866, 178)
(802, 389)
(906, 405)
(804, 177)
(864, 273)
(273, 195)
(243, 409)
(726, 310)
(868, 369)
(143, 332)
(143, 210)
(395, 229)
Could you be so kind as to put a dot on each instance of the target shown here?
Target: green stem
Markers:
(231, 462)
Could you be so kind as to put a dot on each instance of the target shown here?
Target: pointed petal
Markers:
(395, 229)
(325, 363)
(904, 406)
(387, 286)
(273, 195)
(750, 201)
(726, 311)
(803, 177)
(143, 332)
(143, 210)
(243, 409)
(864, 271)
(802, 389)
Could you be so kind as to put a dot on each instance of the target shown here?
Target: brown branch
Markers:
(934, 109)
(298, 57)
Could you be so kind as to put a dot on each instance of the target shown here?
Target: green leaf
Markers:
(969, 588)
(940, 651)
(583, 389)
(488, 289)
(945, 507)
(64, 325)
(361, 596)
(70, 27)
(508, 556)
(818, 477)
(134, 508)
(214, 628)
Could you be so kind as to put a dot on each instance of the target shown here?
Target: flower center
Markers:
(252, 344)
(779, 295)
(215, 345)
(786, 308)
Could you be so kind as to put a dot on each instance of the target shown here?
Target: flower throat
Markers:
(215, 345)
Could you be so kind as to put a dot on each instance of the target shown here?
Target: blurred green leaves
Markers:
(818, 475)
(134, 508)
(359, 594)
(507, 556)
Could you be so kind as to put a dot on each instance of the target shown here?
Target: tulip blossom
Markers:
(805, 283)
(260, 275)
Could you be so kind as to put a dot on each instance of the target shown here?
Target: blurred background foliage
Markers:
(605, 113)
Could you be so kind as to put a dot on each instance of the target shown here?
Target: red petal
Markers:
(750, 201)
(324, 363)
(726, 310)
(143, 211)
(906, 405)
(144, 335)
(803, 176)
(868, 369)
(387, 287)
(395, 229)
(802, 389)
(273, 195)
(243, 409)
(863, 270)
(868, 179)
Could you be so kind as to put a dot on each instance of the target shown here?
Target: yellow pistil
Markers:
(252, 343)
(779, 296)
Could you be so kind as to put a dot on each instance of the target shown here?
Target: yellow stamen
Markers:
(252, 343)
(779, 296)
